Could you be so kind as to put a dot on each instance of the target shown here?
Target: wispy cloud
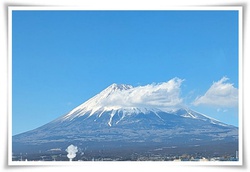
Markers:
(220, 94)
(164, 96)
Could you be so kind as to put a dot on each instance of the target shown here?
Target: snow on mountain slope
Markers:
(188, 113)
(119, 99)
(155, 96)
(97, 102)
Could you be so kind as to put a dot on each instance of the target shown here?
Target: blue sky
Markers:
(60, 59)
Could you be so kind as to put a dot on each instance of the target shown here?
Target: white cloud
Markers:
(163, 96)
(220, 94)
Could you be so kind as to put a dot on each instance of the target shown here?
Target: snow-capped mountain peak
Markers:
(116, 99)
(100, 102)
(163, 96)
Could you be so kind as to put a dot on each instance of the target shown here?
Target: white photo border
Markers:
(41, 8)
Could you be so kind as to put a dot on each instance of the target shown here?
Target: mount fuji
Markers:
(114, 124)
